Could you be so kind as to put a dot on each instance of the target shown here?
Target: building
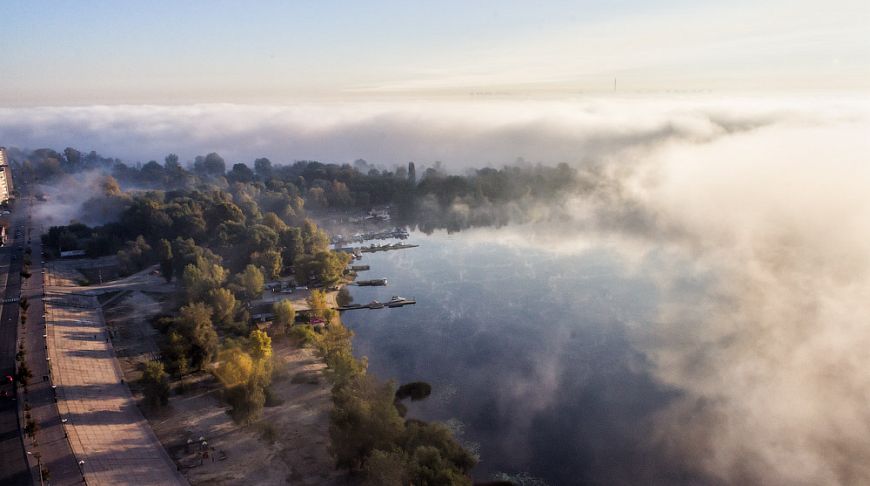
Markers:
(5, 177)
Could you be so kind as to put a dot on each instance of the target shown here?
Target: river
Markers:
(530, 354)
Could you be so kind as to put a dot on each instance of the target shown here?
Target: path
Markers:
(106, 428)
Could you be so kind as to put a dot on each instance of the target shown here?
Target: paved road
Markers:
(14, 469)
(54, 447)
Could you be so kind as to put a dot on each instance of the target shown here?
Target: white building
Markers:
(5, 177)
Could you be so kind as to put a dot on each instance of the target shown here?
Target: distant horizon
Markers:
(90, 52)
(459, 133)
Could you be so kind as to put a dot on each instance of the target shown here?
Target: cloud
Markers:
(757, 242)
(461, 134)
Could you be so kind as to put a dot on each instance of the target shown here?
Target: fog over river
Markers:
(698, 312)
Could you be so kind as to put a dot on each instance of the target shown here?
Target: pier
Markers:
(400, 302)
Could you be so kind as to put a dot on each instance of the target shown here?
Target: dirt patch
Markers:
(289, 445)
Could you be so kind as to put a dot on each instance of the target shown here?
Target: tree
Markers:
(135, 256)
(263, 168)
(156, 384)
(292, 244)
(387, 469)
(213, 165)
(246, 374)
(272, 220)
(318, 303)
(240, 173)
(201, 278)
(176, 353)
(285, 315)
(235, 367)
(363, 420)
(195, 322)
(109, 186)
(251, 281)
(269, 262)
(326, 267)
(260, 345)
(164, 254)
(224, 304)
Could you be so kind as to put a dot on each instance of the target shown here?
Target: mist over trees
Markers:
(427, 198)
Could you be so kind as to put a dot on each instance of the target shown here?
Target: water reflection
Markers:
(530, 351)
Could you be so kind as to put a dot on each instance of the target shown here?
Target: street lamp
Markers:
(38, 457)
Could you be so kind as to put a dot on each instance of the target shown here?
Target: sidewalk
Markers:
(105, 427)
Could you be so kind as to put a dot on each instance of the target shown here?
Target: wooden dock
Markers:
(376, 248)
(385, 305)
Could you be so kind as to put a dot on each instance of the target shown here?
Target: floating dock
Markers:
(379, 305)
(395, 246)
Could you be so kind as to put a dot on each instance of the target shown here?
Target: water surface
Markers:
(529, 353)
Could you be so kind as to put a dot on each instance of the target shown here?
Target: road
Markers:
(14, 469)
(56, 455)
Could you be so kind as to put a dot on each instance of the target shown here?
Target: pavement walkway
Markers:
(106, 429)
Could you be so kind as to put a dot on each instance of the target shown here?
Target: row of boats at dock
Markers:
(395, 301)
(399, 233)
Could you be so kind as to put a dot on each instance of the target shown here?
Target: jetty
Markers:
(394, 302)
(357, 251)
(396, 233)
(388, 247)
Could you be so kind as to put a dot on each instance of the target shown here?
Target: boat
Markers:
(375, 305)
(398, 301)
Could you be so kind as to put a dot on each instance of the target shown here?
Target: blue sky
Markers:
(81, 52)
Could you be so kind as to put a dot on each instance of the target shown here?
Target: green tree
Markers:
(269, 261)
(387, 469)
(318, 304)
(135, 256)
(225, 306)
(363, 419)
(196, 324)
(251, 282)
(292, 244)
(176, 353)
(156, 384)
(260, 345)
(325, 266)
(201, 278)
(164, 254)
(285, 315)
(272, 220)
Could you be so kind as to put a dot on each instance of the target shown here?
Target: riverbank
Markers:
(288, 444)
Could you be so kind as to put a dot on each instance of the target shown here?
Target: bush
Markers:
(416, 391)
(246, 401)
(304, 334)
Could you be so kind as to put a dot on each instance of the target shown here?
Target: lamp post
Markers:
(38, 457)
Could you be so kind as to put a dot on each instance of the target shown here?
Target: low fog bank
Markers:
(772, 356)
(460, 134)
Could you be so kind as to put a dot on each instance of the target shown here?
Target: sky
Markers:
(168, 52)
